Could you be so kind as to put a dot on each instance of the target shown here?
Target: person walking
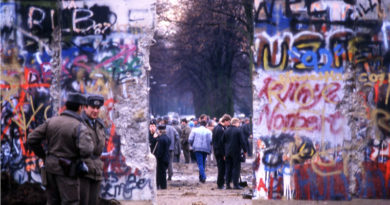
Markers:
(161, 152)
(233, 143)
(68, 140)
(218, 147)
(90, 183)
(200, 140)
(177, 148)
(173, 137)
(185, 134)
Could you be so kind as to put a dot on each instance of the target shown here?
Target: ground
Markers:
(185, 187)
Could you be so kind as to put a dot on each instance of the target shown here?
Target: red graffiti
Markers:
(262, 186)
(277, 119)
(29, 82)
(307, 96)
(311, 186)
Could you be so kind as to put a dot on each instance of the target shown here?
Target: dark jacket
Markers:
(162, 149)
(152, 141)
(217, 139)
(233, 140)
(94, 163)
(185, 134)
(67, 137)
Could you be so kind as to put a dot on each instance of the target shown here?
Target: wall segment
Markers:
(50, 48)
(321, 99)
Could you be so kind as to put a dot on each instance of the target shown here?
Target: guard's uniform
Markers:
(68, 139)
(91, 182)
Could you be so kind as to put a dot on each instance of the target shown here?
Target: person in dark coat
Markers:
(161, 152)
(68, 140)
(234, 141)
(152, 134)
(218, 148)
(247, 131)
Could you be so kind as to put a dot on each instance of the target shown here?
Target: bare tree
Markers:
(209, 54)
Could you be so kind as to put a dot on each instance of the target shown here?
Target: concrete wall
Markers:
(321, 99)
(49, 48)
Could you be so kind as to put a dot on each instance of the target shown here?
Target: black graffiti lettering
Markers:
(268, 12)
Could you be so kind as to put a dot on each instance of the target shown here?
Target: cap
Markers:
(95, 100)
(76, 98)
(161, 127)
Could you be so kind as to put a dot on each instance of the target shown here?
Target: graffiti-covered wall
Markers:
(50, 48)
(321, 99)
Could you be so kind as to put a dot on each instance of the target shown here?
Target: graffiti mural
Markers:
(321, 100)
(99, 52)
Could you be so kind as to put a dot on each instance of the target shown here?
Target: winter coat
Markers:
(177, 147)
(185, 134)
(94, 163)
(67, 137)
(217, 139)
(162, 150)
(233, 140)
(173, 136)
(200, 139)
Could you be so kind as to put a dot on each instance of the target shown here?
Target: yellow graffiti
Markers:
(22, 122)
(301, 86)
(101, 82)
(317, 160)
(381, 118)
(325, 77)
(372, 79)
(274, 93)
(45, 113)
(267, 62)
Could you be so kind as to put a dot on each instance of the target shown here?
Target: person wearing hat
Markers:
(161, 152)
(90, 183)
(67, 140)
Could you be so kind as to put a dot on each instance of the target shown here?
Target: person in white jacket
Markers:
(200, 140)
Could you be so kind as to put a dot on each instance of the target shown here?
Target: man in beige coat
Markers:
(91, 182)
(68, 141)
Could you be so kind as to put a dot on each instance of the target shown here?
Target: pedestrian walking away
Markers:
(68, 141)
(200, 140)
(173, 137)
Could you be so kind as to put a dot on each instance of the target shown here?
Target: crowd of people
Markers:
(228, 139)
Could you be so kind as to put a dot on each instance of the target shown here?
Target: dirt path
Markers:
(185, 187)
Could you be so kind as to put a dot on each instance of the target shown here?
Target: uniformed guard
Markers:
(68, 140)
(161, 152)
(91, 182)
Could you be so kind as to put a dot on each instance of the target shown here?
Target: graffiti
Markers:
(323, 80)
(77, 20)
(374, 182)
(311, 186)
(113, 188)
(99, 53)
(300, 15)
(320, 52)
